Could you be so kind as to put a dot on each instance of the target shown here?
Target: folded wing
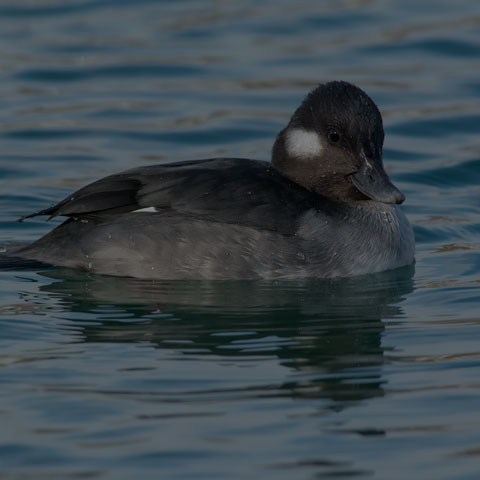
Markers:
(236, 191)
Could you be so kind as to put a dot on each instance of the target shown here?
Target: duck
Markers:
(323, 207)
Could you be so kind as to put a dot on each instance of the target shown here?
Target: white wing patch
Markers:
(303, 143)
(146, 209)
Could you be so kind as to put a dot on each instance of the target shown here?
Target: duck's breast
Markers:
(349, 240)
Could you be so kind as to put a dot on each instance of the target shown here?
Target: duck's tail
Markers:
(9, 260)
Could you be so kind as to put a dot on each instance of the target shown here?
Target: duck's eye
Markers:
(333, 135)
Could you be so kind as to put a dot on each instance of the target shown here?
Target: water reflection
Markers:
(326, 333)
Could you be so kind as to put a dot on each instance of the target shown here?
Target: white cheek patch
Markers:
(303, 143)
(146, 209)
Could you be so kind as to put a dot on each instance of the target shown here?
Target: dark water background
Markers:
(107, 378)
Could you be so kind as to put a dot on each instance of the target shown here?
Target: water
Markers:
(374, 377)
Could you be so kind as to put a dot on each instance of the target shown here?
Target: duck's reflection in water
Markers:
(327, 333)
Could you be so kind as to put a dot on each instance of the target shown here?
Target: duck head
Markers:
(333, 146)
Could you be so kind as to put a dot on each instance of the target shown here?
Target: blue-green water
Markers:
(110, 378)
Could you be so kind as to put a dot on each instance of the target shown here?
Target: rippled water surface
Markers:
(373, 377)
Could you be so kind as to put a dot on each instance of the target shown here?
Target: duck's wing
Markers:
(126, 191)
(115, 193)
(227, 190)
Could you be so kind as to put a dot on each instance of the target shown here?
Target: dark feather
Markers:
(237, 191)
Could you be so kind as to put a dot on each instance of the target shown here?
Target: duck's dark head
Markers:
(333, 146)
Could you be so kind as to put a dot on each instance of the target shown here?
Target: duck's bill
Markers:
(374, 183)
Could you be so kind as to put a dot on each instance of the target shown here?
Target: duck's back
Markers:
(229, 190)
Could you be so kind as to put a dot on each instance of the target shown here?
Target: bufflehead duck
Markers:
(323, 207)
